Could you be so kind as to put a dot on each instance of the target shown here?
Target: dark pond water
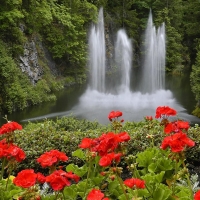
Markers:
(81, 102)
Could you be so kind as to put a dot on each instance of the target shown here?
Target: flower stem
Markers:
(122, 186)
(2, 168)
(175, 177)
(88, 174)
(188, 179)
(63, 195)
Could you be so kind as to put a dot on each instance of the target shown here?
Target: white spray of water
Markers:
(97, 55)
(123, 58)
(153, 70)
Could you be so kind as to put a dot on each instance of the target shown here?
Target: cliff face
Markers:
(29, 62)
(35, 54)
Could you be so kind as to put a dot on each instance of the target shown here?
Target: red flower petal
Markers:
(95, 194)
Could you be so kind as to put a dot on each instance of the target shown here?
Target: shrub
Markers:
(66, 133)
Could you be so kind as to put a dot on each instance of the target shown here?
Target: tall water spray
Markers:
(153, 70)
(123, 59)
(97, 55)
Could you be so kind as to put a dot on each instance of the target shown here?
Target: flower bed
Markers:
(157, 172)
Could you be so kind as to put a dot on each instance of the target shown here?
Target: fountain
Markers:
(97, 55)
(99, 99)
(123, 59)
(153, 69)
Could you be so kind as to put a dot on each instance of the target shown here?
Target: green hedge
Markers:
(65, 134)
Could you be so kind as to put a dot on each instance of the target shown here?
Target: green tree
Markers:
(195, 80)
(10, 19)
(66, 37)
(37, 14)
(191, 23)
(12, 96)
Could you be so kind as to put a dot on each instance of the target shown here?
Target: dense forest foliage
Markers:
(62, 27)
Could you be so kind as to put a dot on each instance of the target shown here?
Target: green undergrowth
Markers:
(65, 134)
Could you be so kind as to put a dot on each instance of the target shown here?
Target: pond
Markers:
(83, 103)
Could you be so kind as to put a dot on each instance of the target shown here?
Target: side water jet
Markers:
(153, 69)
(97, 55)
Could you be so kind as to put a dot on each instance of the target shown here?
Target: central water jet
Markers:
(123, 59)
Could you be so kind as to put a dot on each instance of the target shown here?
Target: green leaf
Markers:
(144, 159)
(184, 193)
(79, 153)
(71, 167)
(112, 185)
(70, 193)
(97, 180)
(159, 177)
(122, 197)
(153, 178)
(162, 192)
(80, 171)
(152, 167)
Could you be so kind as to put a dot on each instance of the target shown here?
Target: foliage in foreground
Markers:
(66, 133)
(156, 172)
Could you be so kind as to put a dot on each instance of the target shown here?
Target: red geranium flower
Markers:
(106, 143)
(86, 143)
(124, 137)
(26, 178)
(135, 182)
(106, 160)
(176, 126)
(41, 178)
(197, 195)
(11, 151)
(14, 151)
(114, 114)
(10, 127)
(149, 118)
(72, 176)
(3, 147)
(52, 157)
(59, 179)
(96, 194)
(182, 124)
(177, 142)
(164, 111)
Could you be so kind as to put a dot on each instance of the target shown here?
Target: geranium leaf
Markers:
(97, 180)
(70, 193)
(162, 192)
(71, 167)
(79, 153)
(80, 171)
(152, 167)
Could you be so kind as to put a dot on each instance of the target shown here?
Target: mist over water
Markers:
(97, 100)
